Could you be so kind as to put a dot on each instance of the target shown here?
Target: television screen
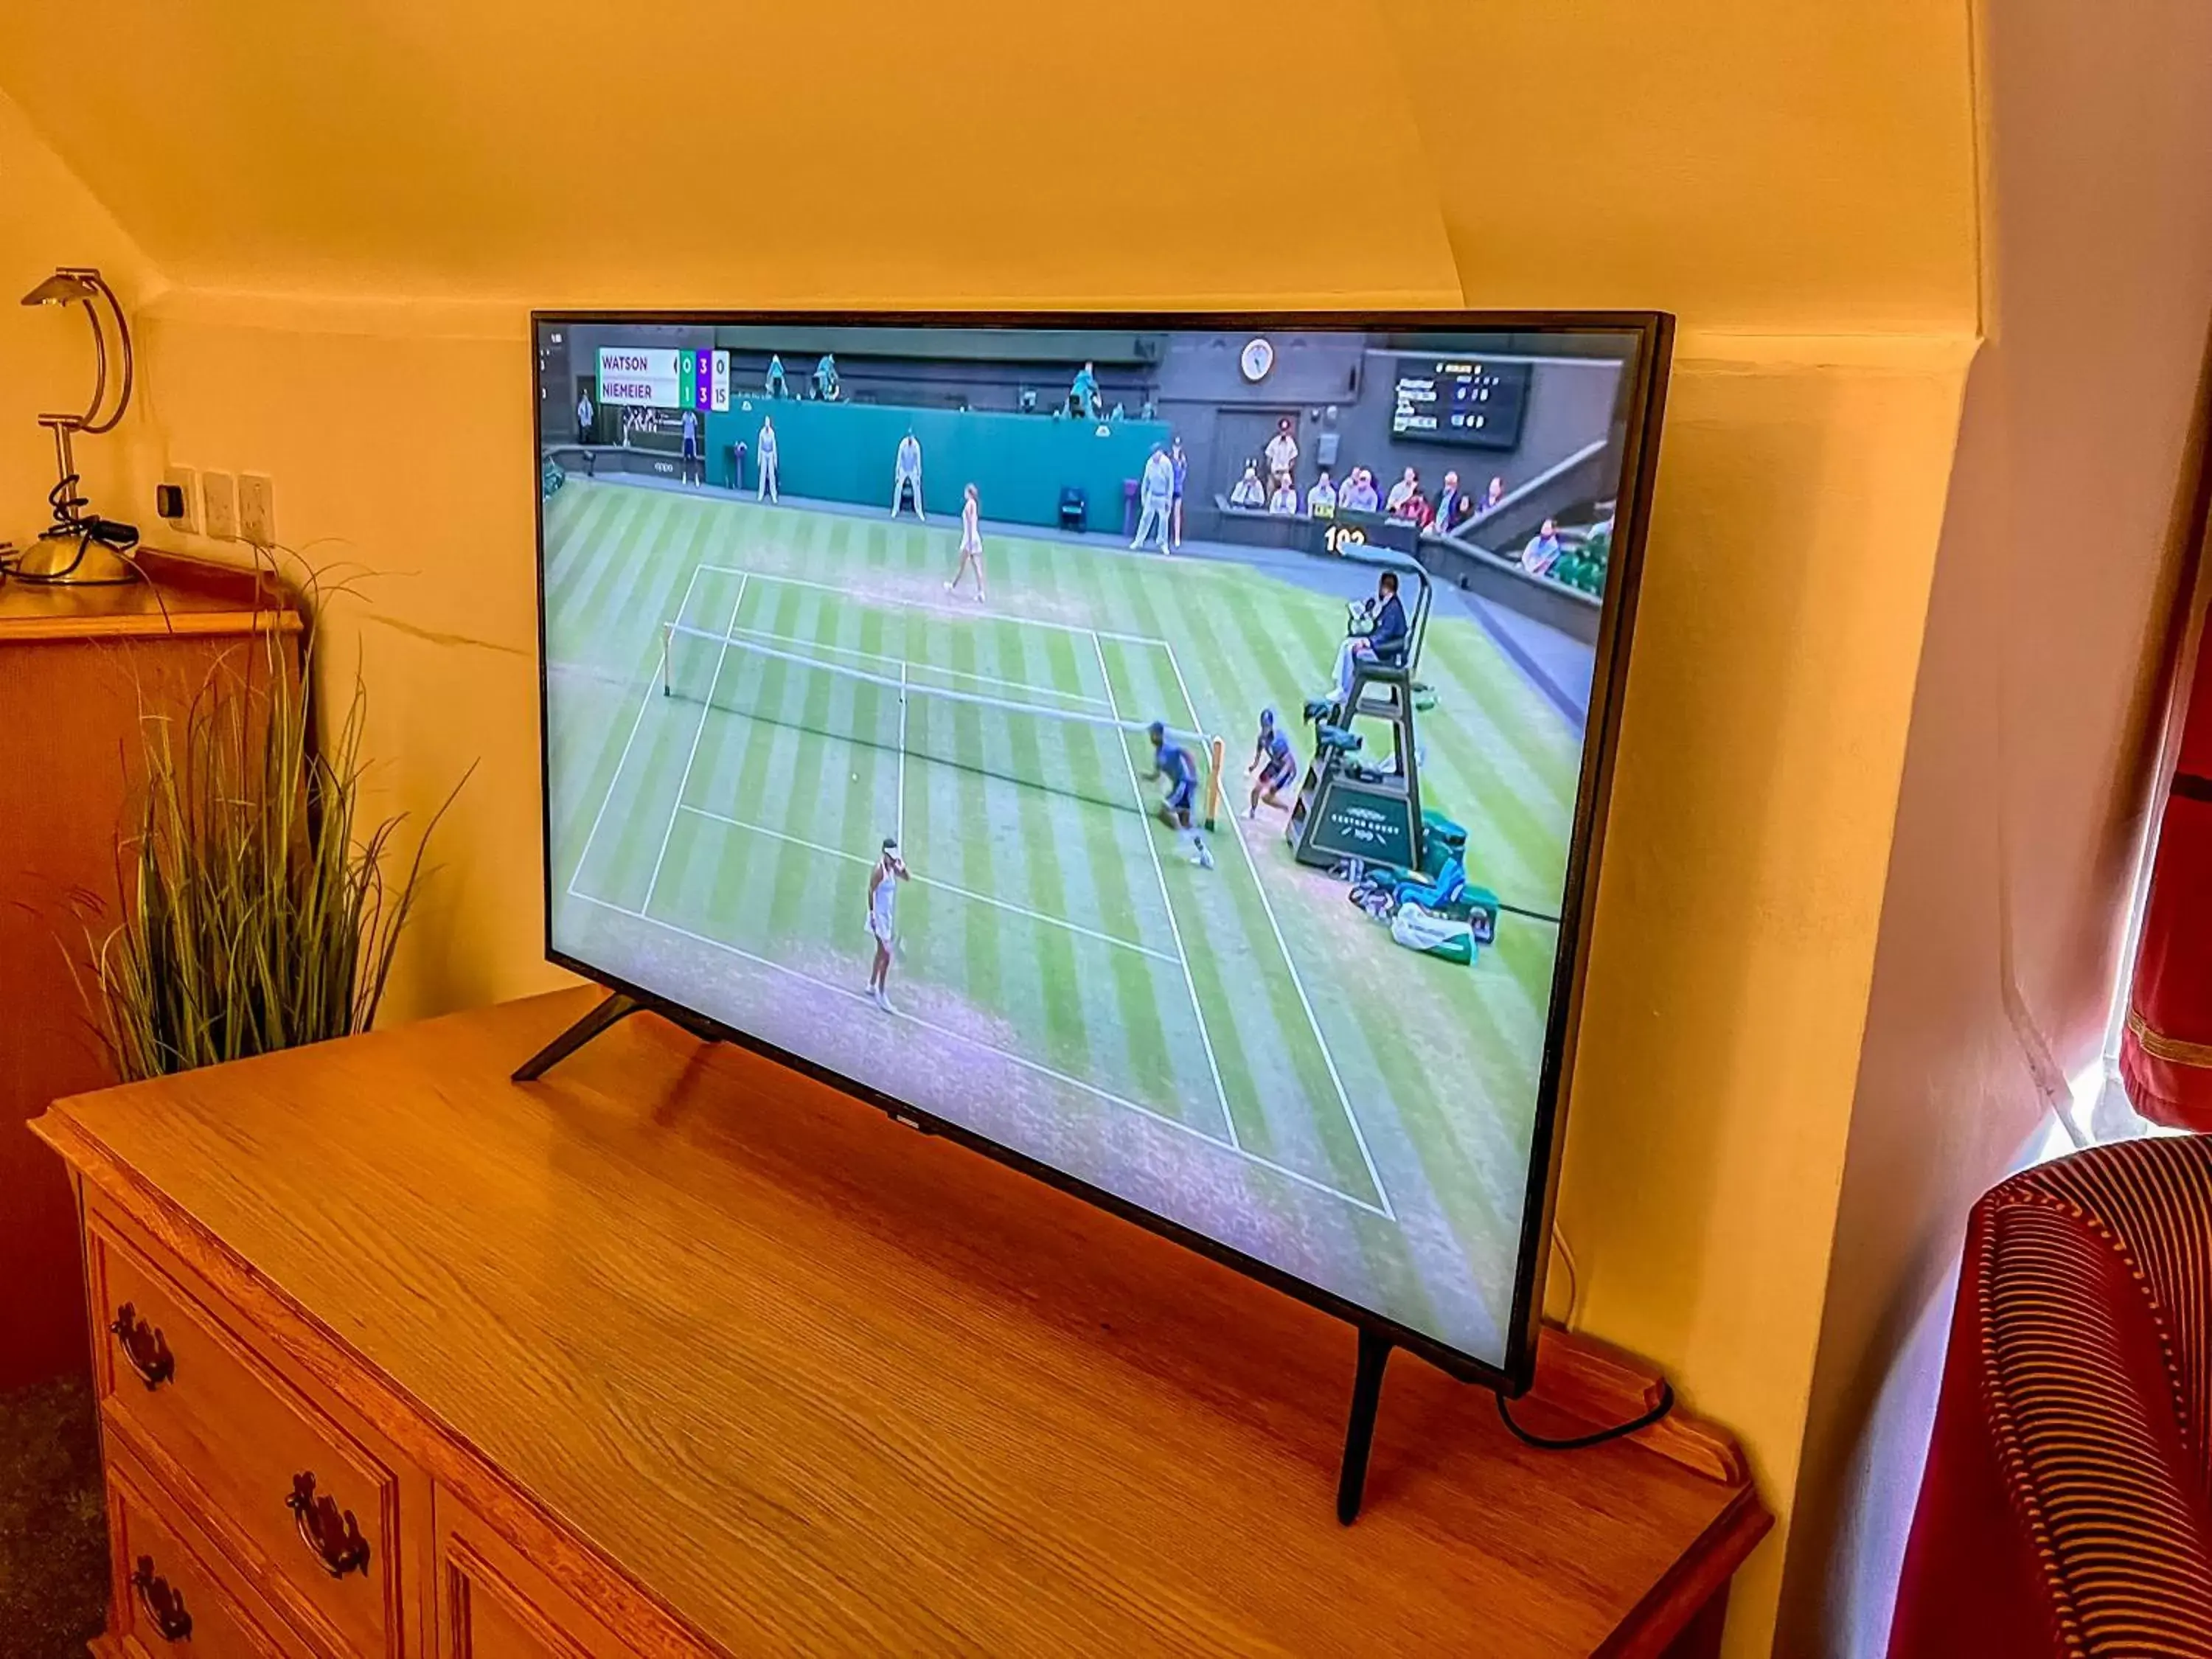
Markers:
(1167, 753)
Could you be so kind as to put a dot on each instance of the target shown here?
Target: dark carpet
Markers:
(53, 1532)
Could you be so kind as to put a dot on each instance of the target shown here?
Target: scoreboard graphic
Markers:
(1446, 400)
(664, 377)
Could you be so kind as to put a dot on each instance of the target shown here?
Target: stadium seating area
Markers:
(1582, 567)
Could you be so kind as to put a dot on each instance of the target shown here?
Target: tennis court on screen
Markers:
(982, 745)
(1238, 1046)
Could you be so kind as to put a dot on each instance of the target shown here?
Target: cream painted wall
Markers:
(1742, 887)
(357, 210)
(2027, 776)
(1788, 576)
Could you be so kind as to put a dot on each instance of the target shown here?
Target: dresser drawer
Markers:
(299, 1501)
(171, 1594)
(496, 1603)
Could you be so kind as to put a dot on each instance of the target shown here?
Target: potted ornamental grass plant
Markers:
(260, 905)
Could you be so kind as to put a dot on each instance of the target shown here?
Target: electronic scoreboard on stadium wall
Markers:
(1458, 400)
(664, 377)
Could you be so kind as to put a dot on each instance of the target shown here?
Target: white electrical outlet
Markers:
(219, 503)
(187, 482)
(256, 509)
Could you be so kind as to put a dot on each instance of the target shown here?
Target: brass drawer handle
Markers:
(164, 1607)
(333, 1537)
(145, 1347)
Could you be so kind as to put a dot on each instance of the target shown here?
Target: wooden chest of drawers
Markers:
(306, 1506)
(675, 1354)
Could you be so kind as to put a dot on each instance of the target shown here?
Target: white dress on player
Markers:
(880, 903)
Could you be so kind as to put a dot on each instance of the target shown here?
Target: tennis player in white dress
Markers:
(971, 544)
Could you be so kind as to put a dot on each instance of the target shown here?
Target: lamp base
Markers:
(55, 559)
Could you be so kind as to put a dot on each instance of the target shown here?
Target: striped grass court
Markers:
(1236, 1049)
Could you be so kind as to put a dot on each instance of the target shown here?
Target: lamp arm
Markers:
(83, 423)
(99, 347)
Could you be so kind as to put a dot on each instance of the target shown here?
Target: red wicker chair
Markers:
(2067, 1508)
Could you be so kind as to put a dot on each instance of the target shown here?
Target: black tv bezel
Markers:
(1653, 334)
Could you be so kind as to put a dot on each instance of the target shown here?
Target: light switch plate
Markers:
(256, 509)
(219, 501)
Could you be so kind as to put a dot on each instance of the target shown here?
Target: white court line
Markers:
(1276, 927)
(644, 703)
(927, 881)
(935, 609)
(1228, 1123)
(769, 636)
(1007, 1055)
(901, 814)
(699, 731)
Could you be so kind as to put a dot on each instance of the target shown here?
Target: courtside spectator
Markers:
(1401, 492)
(825, 379)
(1416, 510)
(1543, 550)
(1492, 496)
(1358, 494)
(1451, 508)
(777, 385)
(1083, 393)
(583, 417)
(1321, 499)
(1286, 498)
(1282, 452)
(1249, 491)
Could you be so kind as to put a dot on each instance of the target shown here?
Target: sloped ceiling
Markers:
(1755, 165)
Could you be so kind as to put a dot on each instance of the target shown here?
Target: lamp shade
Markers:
(61, 289)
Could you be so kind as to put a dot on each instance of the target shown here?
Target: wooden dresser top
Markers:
(814, 1381)
(180, 596)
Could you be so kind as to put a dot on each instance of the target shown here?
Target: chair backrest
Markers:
(2153, 1199)
(2093, 1283)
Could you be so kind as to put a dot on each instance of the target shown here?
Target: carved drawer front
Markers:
(495, 1604)
(170, 1596)
(308, 1511)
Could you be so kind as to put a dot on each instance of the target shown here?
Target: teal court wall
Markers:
(843, 452)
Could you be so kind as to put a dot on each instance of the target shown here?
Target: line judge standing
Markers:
(1155, 498)
(906, 474)
(765, 491)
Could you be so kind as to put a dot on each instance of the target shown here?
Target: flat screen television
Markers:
(1167, 753)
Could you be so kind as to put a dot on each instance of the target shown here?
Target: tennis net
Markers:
(1086, 756)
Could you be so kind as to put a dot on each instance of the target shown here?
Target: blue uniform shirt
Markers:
(1389, 631)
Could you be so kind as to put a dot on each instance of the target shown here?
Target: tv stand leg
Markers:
(1359, 1431)
(615, 1008)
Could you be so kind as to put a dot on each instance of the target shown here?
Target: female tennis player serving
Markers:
(883, 895)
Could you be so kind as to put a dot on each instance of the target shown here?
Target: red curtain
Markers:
(2166, 1053)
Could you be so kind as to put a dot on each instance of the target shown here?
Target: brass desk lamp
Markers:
(80, 546)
